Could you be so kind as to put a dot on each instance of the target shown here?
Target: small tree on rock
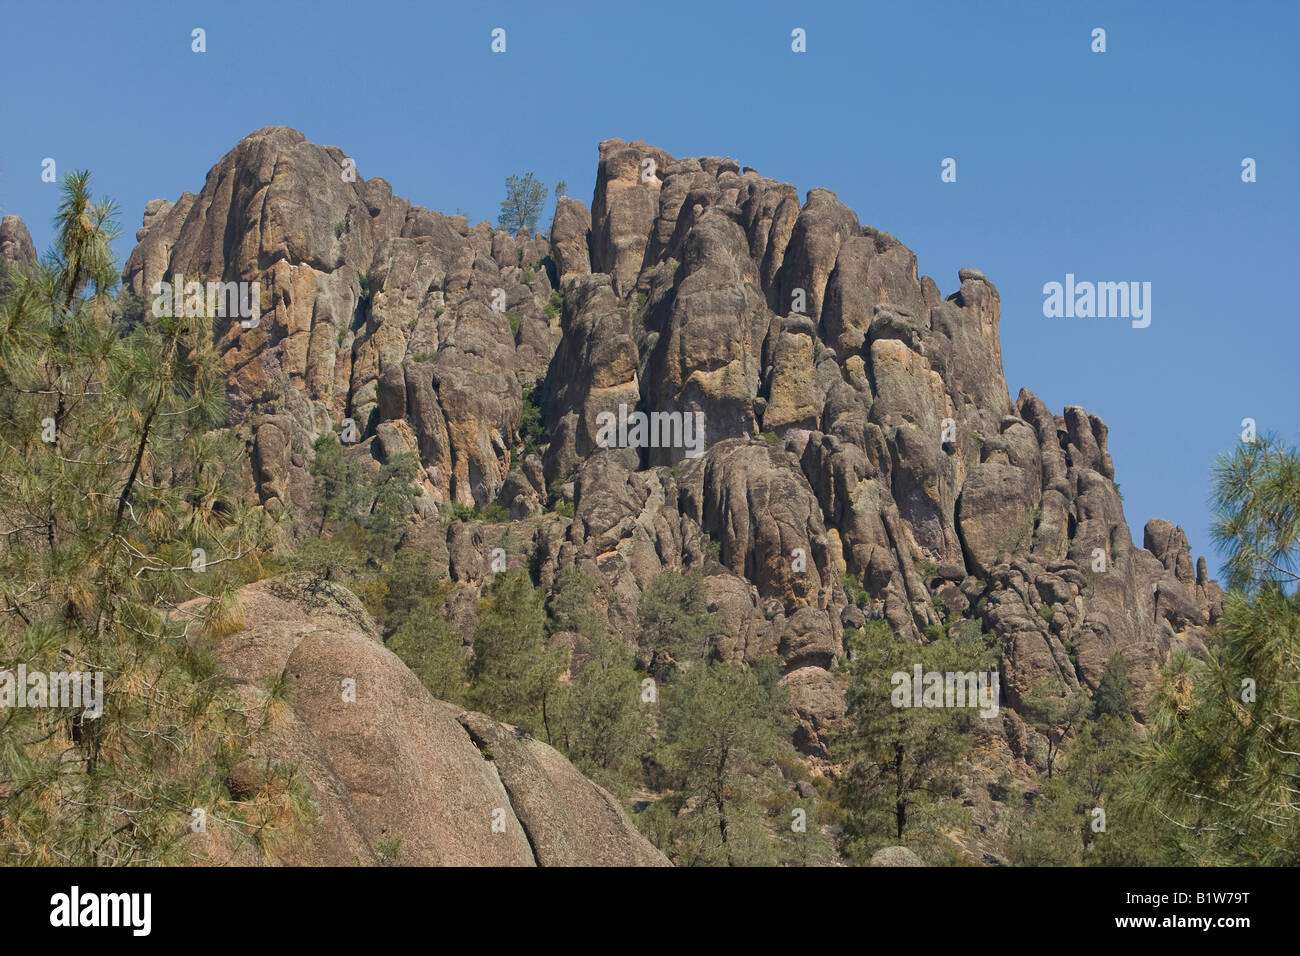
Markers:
(523, 203)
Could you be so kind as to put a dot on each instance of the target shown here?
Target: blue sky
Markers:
(1122, 166)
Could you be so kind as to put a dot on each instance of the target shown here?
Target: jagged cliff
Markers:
(857, 421)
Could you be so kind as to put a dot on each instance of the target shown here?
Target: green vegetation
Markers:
(572, 605)
(1076, 819)
(120, 502)
(491, 512)
(1054, 716)
(902, 762)
(723, 737)
(637, 309)
(554, 303)
(532, 434)
(1221, 764)
(364, 504)
(856, 593)
(713, 547)
(523, 203)
(605, 728)
(555, 499)
(514, 671)
(389, 850)
(1114, 696)
(676, 626)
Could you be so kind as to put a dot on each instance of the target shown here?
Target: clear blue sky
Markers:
(1116, 166)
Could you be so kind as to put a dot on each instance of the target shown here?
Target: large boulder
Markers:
(385, 761)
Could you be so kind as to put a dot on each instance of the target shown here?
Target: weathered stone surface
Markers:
(16, 246)
(857, 422)
(624, 209)
(818, 701)
(569, 820)
(895, 856)
(569, 235)
(594, 371)
(397, 764)
(706, 359)
(371, 309)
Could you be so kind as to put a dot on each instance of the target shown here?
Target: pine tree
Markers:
(724, 737)
(391, 493)
(1079, 817)
(605, 724)
(1114, 696)
(118, 509)
(340, 483)
(1055, 716)
(571, 605)
(358, 509)
(409, 581)
(430, 646)
(514, 671)
(523, 203)
(676, 624)
(1223, 769)
(902, 761)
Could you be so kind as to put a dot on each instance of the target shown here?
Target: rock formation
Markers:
(857, 426)
(387, 762)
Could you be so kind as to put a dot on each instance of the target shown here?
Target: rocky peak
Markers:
(16, 246)
(856, 422)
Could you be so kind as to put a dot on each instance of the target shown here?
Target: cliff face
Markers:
(16, 242)
(856, 420)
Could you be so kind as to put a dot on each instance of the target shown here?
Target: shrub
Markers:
(531, 433)
(638, 306)
(553, 305)
(858, 594)
(388, 849)
(555, 492)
